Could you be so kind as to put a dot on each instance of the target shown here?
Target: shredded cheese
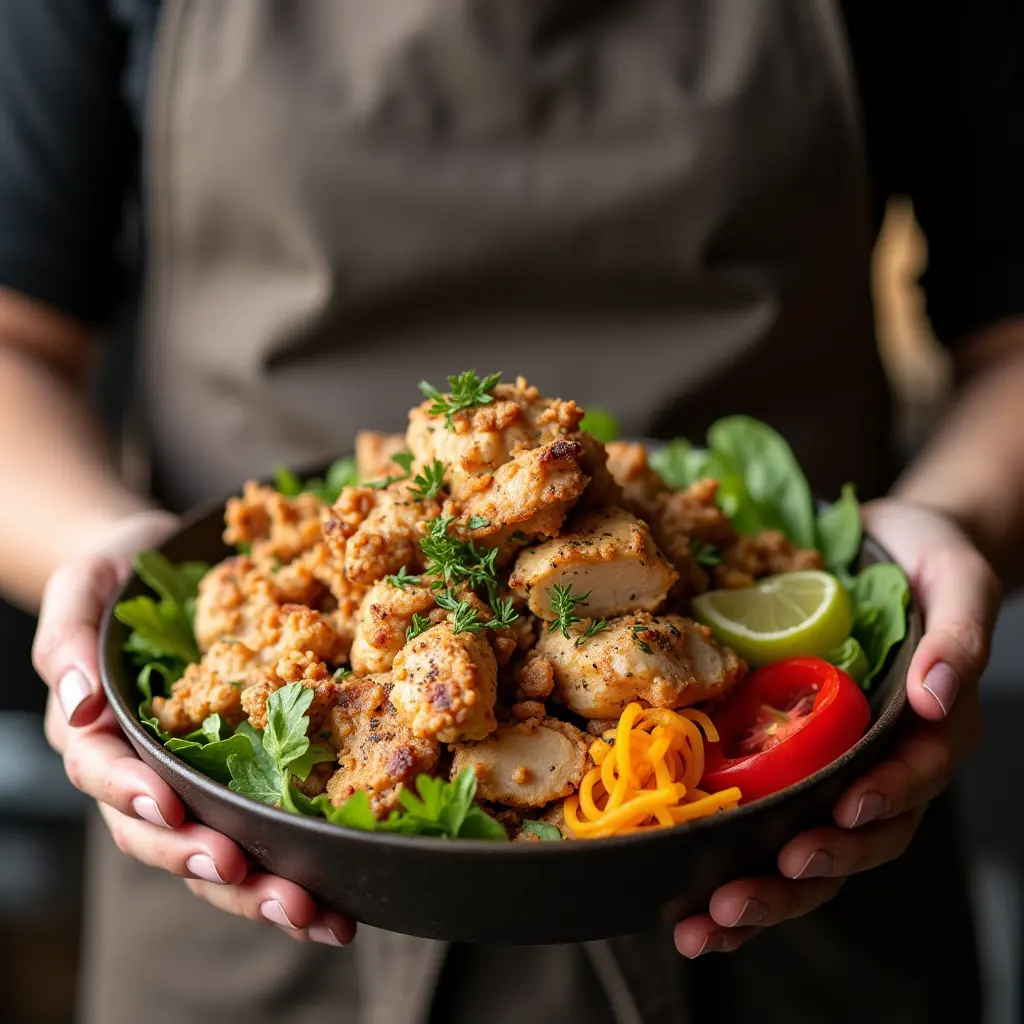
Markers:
(645, 775)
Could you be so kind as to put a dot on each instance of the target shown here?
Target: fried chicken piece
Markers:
(642, 486)
(607, 554)
(346, 596)
(666, 660)
(603, 490)
(386, 614)
(377, 752)
(527, 497)
(373, 454)
(294, 667)
(526, 764)
(536, 678)
(276, 526)
(747, 559)
(485, 437)
(214, 685)
(294, 627)
(344, 517)
(232, 597)
(445, 685)
(389, 537)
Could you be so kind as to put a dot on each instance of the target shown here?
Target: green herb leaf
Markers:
(563, 604)
(850, 657)
(880, 595)
(477, 522)
(302, 765)
(839, 532)
(705, 554)
(443, 809)
(595, 627)
(342, 673)
(679, 464)
(402, 579)
(169, 672)
(149, 720)
(601, 424)
(547, 832)
(458, 561)
(467, 620)
(429, 483)
(420, 624)
(638, 630)
(284, 738)
(211, 758)
(286, 482)
(504, 614)
(250, 778)
(160, 630)
(466, 391)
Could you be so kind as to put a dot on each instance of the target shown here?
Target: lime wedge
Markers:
(779, 617)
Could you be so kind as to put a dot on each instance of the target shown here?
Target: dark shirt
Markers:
(942, 91)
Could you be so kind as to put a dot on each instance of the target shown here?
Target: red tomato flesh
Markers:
(784, 722)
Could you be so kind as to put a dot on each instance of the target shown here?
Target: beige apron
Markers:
(658, 206)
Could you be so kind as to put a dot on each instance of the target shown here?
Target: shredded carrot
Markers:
(645, 775)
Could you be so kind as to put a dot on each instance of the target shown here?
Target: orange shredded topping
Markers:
(645, 775)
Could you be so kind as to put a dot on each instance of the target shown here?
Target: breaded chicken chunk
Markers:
(277, 527)
(386, 614)
(747, 559)
(607, 554)
(294, 667)
(377, 752)
(641, 485)
(344, 517)
(445, 685)
(666, 661)
(526, 764)
(373, 454)
(527, 497)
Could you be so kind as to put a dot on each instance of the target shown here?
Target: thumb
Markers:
(65, 649)
(960, 594)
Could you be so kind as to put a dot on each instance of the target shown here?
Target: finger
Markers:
(272, 900)
(834, 853)
(191, 850)
(65, 648)
(918, 770)
(700, 934)
(769, 900)
(55, 725)
(960, 595)
(100, 762)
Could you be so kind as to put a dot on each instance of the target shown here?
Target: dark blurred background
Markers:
(41, 816)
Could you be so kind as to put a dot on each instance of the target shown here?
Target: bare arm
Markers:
(61, 491)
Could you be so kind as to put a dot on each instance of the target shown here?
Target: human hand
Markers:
(145, 817)
(877, 816)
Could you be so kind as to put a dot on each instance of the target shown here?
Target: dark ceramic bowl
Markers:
(459, 890)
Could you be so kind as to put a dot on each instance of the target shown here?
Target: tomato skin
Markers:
(837, 719)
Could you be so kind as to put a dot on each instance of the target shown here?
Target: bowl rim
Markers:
(129, 723)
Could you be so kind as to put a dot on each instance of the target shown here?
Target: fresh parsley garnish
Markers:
(402, 579)
(340, 474)
(402, 459)
(563, 604)
(478, 522)
(429, 483)
(705, 554)
(467, 391)
(504, 614)
(467, 619)
(342, 673)
(544, 830)
(458, 561)
(420, 624)
(638, 630)
(595, 627)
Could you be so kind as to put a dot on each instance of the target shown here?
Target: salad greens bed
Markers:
(761, 486)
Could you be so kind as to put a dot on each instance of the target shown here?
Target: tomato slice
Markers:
(786, 721)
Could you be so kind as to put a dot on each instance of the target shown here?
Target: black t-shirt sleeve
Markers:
(942, 84)
(66, 152)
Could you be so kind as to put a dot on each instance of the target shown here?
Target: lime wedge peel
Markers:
(784, 616)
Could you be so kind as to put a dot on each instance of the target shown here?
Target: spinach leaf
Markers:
(601, 423)
(850, 657)
(679, 464)
(773, 477)
(880, 595)
(546, 831)
(839, 532)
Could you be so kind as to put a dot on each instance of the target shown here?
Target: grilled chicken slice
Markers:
(485, 437)
(386, 614)
(608, 554)
(666, 661)
(527, 764)
(527, 497)
(377, 752)
(445, 685)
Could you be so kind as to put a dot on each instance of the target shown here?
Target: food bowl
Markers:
(478, 891)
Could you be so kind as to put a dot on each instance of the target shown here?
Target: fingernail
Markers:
(942, 683)
(817, 865)
(753, 912)
(274, 913)
(871, 806)
(72, 689)
(202, 866)
(714, 943)
(321, 933)
(148, 810)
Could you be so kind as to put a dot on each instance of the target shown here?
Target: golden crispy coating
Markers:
(603, 490)
(526, 764)
(536, 677)
(232, 597)
(445, 685)
(607, 554)
(293, 667)
(389, 537)
(294, 627)
(642, 486)
(386, 614)
(344, 517)
(666, 660)
(277, 527)
(377, 752)
(747, 559)
(373, 454)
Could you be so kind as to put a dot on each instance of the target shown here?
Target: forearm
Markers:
(61, 490)
(974, 466)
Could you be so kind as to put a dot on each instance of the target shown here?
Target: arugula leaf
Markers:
(284, 738)
(772, 475)
(839, 532)
(601, 423)
(547, 832)
(880, 595)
